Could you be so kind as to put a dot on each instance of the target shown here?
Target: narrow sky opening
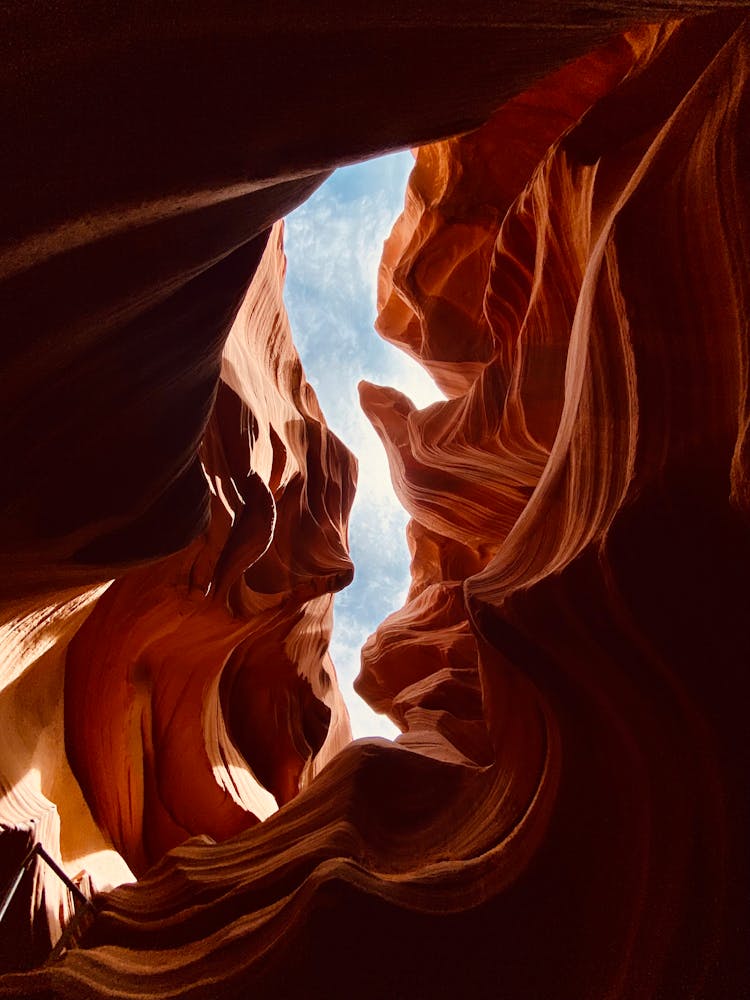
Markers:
(333, 244)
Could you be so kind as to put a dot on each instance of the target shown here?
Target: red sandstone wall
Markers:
(198, 694)
(212, 668)
(566, 812)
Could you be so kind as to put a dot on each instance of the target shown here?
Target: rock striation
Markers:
(579, 559)
(198, 694)
(212, 667)
(565, 813)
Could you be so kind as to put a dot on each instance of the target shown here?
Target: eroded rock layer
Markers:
(565, 814)
(211, 668)
(198, 694)
(594, 453)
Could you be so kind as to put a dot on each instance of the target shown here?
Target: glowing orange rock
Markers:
(608, 423)
(212, 668)
(566, 813)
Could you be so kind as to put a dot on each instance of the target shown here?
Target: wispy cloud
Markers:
(334, 243)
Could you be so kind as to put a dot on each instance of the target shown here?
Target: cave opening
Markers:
(333, 243)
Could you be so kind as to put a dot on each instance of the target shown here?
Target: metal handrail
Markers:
(15, 881)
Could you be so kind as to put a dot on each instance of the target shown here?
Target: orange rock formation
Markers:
(566, 813)
(212, 667)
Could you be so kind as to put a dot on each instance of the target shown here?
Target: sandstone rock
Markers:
(212, 667)
(565, 814)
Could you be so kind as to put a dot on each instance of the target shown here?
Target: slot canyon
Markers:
(565, 813)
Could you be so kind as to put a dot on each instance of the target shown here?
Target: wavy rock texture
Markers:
(40, 801)
(198, 694)
(566, 813)
(587, 532)
(146, 156)
(212, 668)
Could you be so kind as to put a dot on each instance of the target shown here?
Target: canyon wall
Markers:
(198, 694)
(565, 813)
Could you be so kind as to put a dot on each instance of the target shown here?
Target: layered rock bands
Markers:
(565, 814)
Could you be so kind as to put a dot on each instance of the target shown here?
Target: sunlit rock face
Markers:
(579, 533)
(566, 813)
(212, 668)
(198, 694)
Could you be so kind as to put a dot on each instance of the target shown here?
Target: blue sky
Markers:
(333, 244)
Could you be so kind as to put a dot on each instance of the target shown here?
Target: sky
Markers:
(333, 243)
